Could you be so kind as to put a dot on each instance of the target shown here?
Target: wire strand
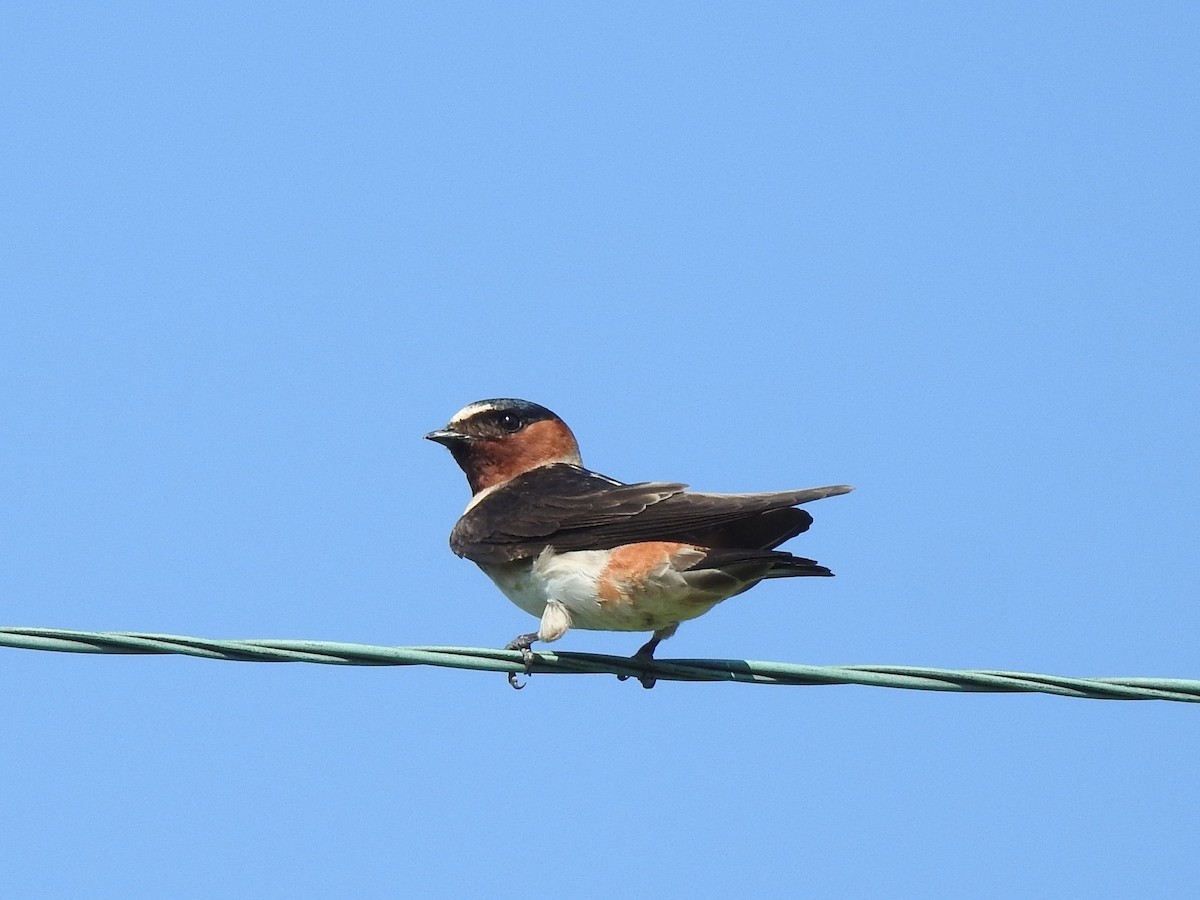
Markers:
(335, 653)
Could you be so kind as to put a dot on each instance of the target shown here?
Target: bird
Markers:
(577, 549)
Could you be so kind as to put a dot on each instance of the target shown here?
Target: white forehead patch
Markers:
(472, 410)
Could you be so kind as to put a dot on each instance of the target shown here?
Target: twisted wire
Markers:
(919, 678)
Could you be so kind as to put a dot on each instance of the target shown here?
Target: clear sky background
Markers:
(945, 252)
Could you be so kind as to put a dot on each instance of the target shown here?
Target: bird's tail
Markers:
(793, 566)
(781, 563)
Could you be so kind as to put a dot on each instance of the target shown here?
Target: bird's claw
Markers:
(648, 681)
(643, 657)
(522, 643)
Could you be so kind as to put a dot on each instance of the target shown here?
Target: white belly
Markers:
(573, 579)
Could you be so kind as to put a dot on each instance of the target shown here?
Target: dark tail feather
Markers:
(797, 565)
(782, 563)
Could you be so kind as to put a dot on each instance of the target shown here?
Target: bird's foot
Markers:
(522, 643)
(643, 656)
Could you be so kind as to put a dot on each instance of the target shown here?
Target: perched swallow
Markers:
(579, 549)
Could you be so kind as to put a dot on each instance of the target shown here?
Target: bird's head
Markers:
(495, 440)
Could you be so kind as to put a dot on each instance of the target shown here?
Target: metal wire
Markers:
(343, 654)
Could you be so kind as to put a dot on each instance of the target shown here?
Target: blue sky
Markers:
(945, 252)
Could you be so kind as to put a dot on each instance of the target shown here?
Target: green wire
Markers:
(342, 654)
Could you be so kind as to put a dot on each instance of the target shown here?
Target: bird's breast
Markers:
(636, 587)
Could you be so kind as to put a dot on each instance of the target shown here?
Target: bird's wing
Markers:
(569, 508)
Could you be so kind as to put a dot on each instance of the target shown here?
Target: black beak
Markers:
(447, 437)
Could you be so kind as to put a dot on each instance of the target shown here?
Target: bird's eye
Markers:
(511, 422)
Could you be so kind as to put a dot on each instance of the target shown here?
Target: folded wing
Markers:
(569, 508)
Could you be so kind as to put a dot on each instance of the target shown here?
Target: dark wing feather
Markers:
(569, 508)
